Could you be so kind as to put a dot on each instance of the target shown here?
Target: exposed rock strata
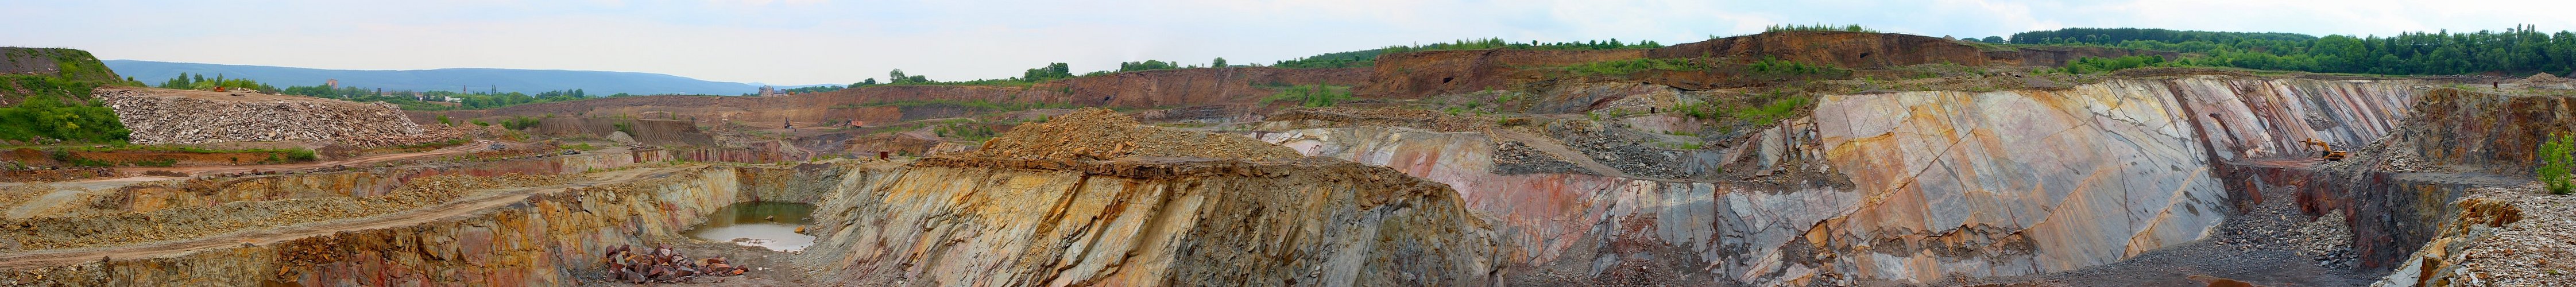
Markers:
(1947, 183)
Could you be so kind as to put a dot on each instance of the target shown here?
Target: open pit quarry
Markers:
(1962, 168)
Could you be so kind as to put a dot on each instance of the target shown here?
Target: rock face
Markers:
(1037, 207)
(163, 116)
(1193, 223)
(1938, 183)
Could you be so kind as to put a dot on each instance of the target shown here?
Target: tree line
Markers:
(2519, 50)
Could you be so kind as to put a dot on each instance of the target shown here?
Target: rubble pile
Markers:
(171, 119)
(661, 265)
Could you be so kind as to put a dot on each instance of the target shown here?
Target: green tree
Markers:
(1219, 63)
(897, 76)
(2555, 162)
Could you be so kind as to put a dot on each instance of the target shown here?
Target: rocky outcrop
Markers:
(1071, 202)
(163, 116)
(1939, 184)
(1187, 222)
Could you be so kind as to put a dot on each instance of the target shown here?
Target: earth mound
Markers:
(1104, 134)
(2543, 78)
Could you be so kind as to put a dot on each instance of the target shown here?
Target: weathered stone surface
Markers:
(1943, 183)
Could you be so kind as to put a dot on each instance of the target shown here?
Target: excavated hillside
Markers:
(1939, 186)
(1189, 208)
(1909, 161)
(1430, 73)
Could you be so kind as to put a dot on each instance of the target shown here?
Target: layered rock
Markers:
(1940, 184)
(163, 116)
(1063, 203)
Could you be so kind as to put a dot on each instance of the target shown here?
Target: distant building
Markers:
(767, 91)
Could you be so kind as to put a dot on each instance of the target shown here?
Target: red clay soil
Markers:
(1422, 74)
(1142, 89)
(1841, 49)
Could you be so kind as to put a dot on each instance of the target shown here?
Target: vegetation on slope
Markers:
(1817, 27)
(1317, 95)
(2557, 157)
(2518, 50)
(2092, 65)
(1498, 43)
(69, 64)
(58, 110)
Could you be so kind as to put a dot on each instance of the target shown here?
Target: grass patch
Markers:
(1633, 66)
(1775, 68)
(1317, 95)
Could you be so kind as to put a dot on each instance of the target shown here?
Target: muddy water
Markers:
(770, 225)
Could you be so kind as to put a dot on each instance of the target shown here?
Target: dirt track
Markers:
(481, 201)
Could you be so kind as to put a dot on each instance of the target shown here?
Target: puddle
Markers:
(759, 224)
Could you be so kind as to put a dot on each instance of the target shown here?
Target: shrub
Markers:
(1318, 95)
(1632, 66)
(55, 110)
(518, 123)
(1771, 67)
(2089, 65)
(2555, 161)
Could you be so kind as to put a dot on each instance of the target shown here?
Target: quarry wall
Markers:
(1942, 183)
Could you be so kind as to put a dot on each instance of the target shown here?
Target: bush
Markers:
(1632, 66)
(518, 123)
(48, 117)
(2090, 65)
(1770, 67)
(1318, 95)
(2555, 161)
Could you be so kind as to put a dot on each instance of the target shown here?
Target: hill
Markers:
(450, 79)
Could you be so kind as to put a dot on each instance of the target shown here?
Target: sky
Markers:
(794, 42)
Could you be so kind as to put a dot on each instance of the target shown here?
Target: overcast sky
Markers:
(822, 41)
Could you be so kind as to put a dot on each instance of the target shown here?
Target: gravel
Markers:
(182, 117)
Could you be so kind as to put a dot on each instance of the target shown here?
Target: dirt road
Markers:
(460, 207)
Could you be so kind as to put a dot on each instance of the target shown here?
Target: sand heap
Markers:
(1104, 134)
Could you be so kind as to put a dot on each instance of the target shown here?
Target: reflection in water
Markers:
(763, 224)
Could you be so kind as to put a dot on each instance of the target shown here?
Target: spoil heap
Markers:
(165, 116)
(1105, 134)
